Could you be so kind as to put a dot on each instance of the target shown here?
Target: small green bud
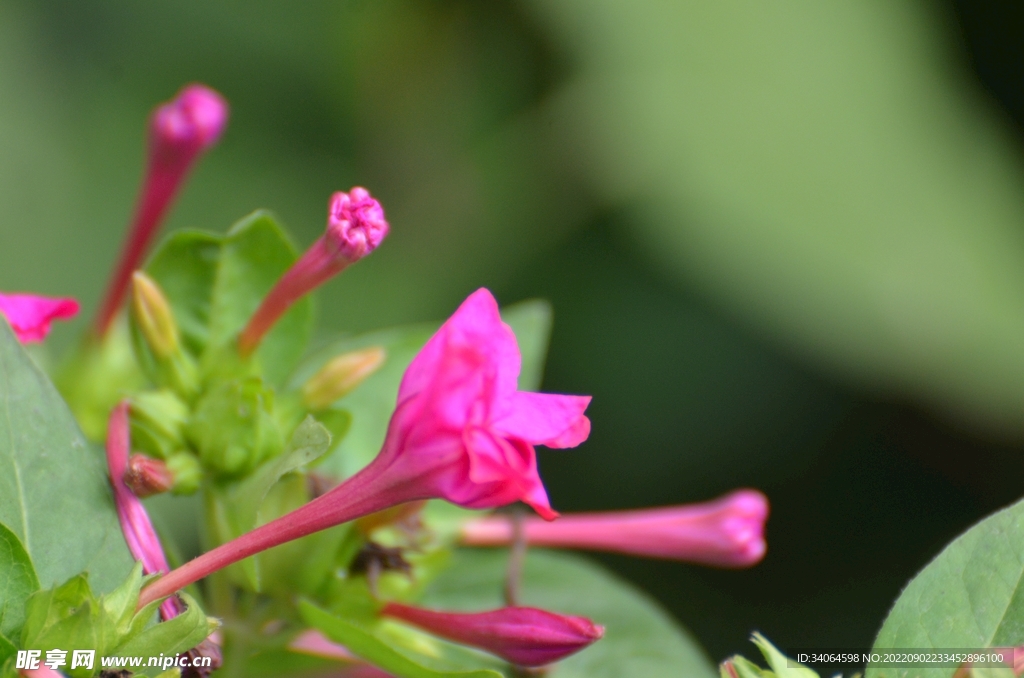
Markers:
(233, 427)
(152, 315)
(340, 376)
(157, 422)
(187, 472)
(155, 335)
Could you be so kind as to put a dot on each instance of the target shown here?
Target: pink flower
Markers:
(524, 636)
(461, 431)
(179, 132)
(138, 531)
(355, 227)
(726, 532)
(30, 315)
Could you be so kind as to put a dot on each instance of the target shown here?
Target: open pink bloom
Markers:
(142, 540)
(726, 532)
(461, 431)
(521, 635)
(179, 132)
(30, 315)
(355, 227)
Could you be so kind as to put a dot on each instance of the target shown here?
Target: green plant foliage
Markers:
(971, 596)
(780, 665)
(640, 639)
(54, 494)
(17, 582)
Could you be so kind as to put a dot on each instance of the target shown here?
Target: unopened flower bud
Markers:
(147, 476)
(157, 421)
(355, 227)
(30, 315)
(179, 132)
(525, 636)
(341, 375)
(155, 328)
(153, 316)
(186, 471)
(726, 532)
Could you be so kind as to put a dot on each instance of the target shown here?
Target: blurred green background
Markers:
(784, 241)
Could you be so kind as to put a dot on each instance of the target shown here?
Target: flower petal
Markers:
(544, 419)
(30, 315)
(478, 324)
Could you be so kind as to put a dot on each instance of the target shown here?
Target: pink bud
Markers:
(726, 532)
(147, 476)
(138, 531)
(355, 227)
(43, 671)
(179, 132)
(461, 431)
(524, 636)
(30, 315)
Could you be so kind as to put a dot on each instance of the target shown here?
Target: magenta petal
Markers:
(30, 315)
(476, 323)
(545, 419)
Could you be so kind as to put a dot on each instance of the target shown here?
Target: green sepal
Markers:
(376, 651)
(179, 634)
(244, 504)
(781, 666)
(233, 427)
(157, 421)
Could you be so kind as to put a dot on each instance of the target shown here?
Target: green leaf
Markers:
(54, 491)
(970, 596)
(243, 500)
(255, 253)
(640, 639)
(372, 403)
(18, 581)
(185, 266)
(374, 650)
(175, 635)
(7, 651)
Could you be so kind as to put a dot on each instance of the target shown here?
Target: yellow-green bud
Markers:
(341, 375)
(152, 315)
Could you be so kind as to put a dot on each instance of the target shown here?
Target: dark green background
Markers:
(454, 115)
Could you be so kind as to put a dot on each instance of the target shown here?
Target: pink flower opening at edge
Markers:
(30, 315)
(525, 636)
(355, 227)
(179, 132)
(136, 526)
(461, 431)
(725, 532)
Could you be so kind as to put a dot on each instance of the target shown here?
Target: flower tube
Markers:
(525, 636)
(179, 132)
(726, 532)
(355, 227)
(461, 431)
(138, 531)
(30, 315)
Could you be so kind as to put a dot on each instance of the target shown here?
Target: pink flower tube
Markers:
(726, 532)
(30, 315)
(524, 636)
(461, 431)
(179, 132)
(142, 540)
(355, 227)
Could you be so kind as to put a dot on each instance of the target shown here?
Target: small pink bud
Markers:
(179, 132)
(461, 431)
(30, 315)
(355, 227)
(147, 476)
(726, 532)
(136, 526)
(524, 636)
